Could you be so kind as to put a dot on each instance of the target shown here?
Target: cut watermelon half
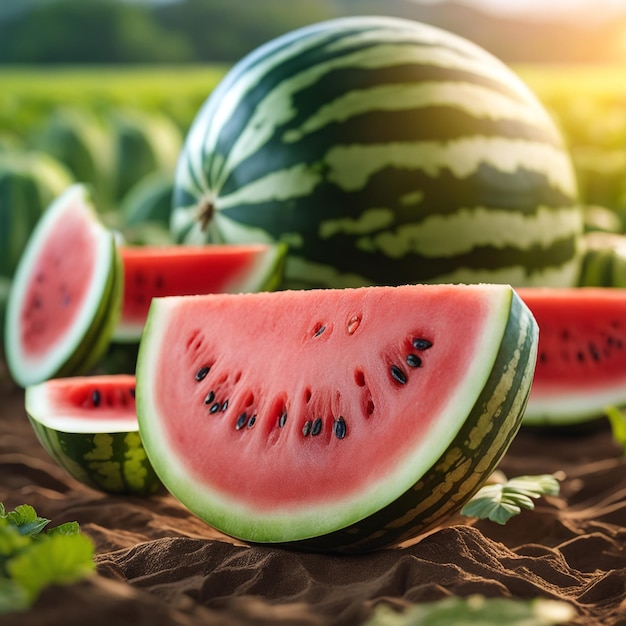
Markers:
(157, 271)
(65, 297)
(581, 367)
(333, 420)
(88, 424)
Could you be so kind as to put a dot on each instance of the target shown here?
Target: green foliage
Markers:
(32, 558)
(499, 502)
(617, 420)
(478, 611)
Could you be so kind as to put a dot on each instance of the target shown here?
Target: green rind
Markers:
(468, 461)
(28, 184)
(292, 147)
(142, 143)
(109, 462)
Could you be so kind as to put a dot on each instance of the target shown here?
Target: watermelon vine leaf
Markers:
(499, 502)
(32, 558)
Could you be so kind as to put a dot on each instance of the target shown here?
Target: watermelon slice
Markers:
(88, 424)
(151, 271)
(65, 297)
(581, 367)
(333, 420)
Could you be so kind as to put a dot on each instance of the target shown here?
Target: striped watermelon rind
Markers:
(382, 151)
(29, 182)
(107, 456)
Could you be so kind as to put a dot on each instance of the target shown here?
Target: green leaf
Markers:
(12, 597)
(69, 528)
(56, 559)
(25, 519)
(617, 420)
(11, 541)
(477, 611)
(502, 501)
(31, 559)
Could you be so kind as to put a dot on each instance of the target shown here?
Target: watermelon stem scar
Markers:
(205, 210)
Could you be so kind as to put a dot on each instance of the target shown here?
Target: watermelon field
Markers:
(503, 516)
(592, 118)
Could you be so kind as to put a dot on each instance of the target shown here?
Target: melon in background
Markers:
(159, 271)
(581, 365)
(78, 138)
(382, 151)
(65, 298)
(29, 182)
(335, 420)
(143, 142)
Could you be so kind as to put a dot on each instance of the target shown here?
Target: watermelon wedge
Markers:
(581, 367)
(151, 271)
(333, 420)
(65, 297)
(88, 424)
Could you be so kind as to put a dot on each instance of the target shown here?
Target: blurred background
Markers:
(108, 88)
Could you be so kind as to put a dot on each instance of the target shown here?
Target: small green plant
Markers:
(617, 420)
(500, 501)
(31, 558)
(478, 611)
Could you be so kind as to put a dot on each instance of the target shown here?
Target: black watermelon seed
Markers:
(316, 429)
(412, 360)
(209, 397)
(339, 428)
(306, 429)
(422, 344)
(398, 374)
(224, 405)
(251, 421)
(96, 397)
(241, 421)
(319, 331)
(201, 373)
(215, 407)
(282, 419)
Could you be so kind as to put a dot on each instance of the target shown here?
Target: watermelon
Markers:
(143, 142)
(604, 260)
(382, 151)
(333, 420)
(581, 365)
(79, 139)
(149, 200)
(29, 182)
(88, 424)
(151, 271)
(65, 298)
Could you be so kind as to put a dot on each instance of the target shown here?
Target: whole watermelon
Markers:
(382, 151)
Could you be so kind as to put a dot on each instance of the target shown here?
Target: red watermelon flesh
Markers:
(87, 404)
(581, 365)
(64, 299)
(157, 271)
(62, 275)
(288, 415)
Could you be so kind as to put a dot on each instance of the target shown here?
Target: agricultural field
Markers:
(588, 102)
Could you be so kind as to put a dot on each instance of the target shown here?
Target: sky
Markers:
(545, 9)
